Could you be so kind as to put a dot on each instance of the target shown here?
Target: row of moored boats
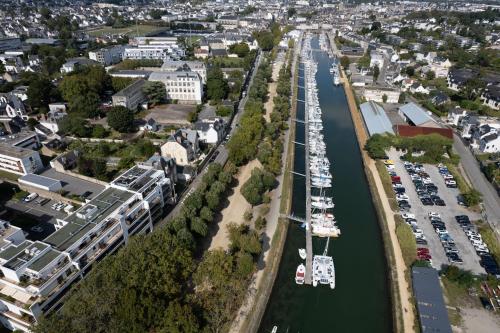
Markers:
(322, 220)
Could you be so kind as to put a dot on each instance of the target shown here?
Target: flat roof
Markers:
(415, 113)
(432, 311)
(96, 211)
(25, 256)
(31, 178)
(13, 250)
(16, 152)
(375, 118)
(42, 261)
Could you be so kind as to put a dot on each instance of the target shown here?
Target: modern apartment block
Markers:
(185, 87)
(108, 55)
(159, 52)
(35, 275)
(17, 154)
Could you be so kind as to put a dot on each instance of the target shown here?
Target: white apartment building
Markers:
(185, 87)
(108, 55)
(37, 274)
(20, 161)
(377, 94)
(187, 66)
(160, 52)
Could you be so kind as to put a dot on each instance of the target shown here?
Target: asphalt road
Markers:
(491, 201)
(221, 157)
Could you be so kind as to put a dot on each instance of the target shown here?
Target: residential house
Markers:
(376, 59)
(440, 99)
(72, 64)
(11, 107)
(456, 115)
(418, 88)
(182, 146)
(491, 96)
(458, 77)
(210, 131)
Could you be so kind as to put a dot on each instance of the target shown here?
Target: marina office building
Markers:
(35, 275)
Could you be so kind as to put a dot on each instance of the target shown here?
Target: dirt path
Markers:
(236, 208)
(269, 105)
(402, 284)
(271, 88)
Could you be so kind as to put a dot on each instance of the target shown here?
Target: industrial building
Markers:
(416, 116)
(375, 118)
(432, 313)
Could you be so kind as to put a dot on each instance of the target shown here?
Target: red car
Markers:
(424, 256)
(422, 250)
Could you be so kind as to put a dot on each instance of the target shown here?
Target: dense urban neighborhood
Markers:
(152, 161)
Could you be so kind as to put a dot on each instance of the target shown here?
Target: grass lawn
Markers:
(9, 176)
(131, 31)
(387, 183)
(489, 238)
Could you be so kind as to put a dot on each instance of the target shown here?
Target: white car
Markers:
(407, 215)
(434, 214)
(448, 176)
(427, 181)
(402, 197)
(441, 232)
(30, 197)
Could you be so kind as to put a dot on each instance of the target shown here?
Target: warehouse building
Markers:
(432, 313)
(375, 118)
(416, 116)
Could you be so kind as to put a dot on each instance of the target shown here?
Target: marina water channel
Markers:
(360, 301)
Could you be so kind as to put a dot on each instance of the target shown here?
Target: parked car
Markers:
(30, 197)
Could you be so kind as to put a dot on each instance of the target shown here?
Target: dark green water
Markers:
(360, 302)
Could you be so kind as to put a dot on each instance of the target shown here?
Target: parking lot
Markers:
(464, 249)
(36, 219)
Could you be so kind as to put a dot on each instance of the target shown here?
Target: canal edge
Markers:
(254, 317)
(389, 245)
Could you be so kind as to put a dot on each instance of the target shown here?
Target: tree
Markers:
(86, 106)
(2, 68)
(121, 119)
(376, 72)
(179, 318)
(344, 61)
(98, 131)
(410, 71)
(473, 87)
(74, 124)
(430, 75)
(472, 198)
(241, 49)
(39, 92)
(402, 98)
(384, 98)
(155, 91)
(265, 40)
(291, 11)
(217, 87)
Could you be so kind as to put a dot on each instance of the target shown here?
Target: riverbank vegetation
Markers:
(432, 148)
(406, 240)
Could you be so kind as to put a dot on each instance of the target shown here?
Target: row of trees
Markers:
(434, 147)
(243, 145)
